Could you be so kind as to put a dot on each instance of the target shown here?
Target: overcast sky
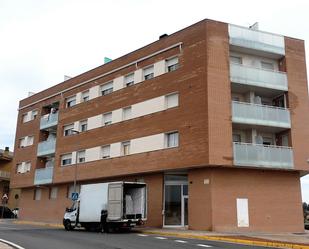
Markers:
(41, 41)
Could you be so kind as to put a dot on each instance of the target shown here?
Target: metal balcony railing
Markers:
(49, 120)
(248, 113)
(47, 147)
(257, 40)
(258, 155)
(43, 176)
(5, 175)
(258, 77)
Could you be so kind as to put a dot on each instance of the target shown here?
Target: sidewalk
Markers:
(5, 246)
(280, 240)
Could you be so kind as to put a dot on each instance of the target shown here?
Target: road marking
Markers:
(202, 245)
(143, 235)
(180, 241)
(160, 238)
(11, 244)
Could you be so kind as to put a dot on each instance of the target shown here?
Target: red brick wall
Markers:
(298, 100)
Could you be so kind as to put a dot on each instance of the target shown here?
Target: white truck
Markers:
(108, 206)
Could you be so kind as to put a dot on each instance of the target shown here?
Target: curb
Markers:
(34, 223)
(231, 240)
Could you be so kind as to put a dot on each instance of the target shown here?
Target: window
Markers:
(172, 64)
(267, 65)
(71, 101)
(85, 96)
(285, 140)
(107, 88)
(27, 166)
(68, 130)
(81, 156)
(235, 98)
(172, 139)
(171, 100)
(34, 114)
(30, 140)
(53, 191)
(106, 151)
(148, 73)
(127, 113)
(125, 146)
(71, 190)
(129, 79)
(236, 138)
(66, 159)
(37, 194)
(83, 125)
(19, 168)
(25, 117)
(107, 118)
(236, 59)
(22, 142)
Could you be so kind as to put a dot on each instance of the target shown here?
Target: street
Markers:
(39, 237)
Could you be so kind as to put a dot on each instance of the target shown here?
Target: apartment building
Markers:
(214, 118)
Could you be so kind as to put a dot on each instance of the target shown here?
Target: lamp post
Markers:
(75, 168)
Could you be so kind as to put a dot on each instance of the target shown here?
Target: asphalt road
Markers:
(35, 237)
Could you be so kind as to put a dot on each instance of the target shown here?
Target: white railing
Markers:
(257, 40)
(5, 174)
(248, 113)
(43, 176)
(259, 155)
(47, 147)
(49, 120)
(258, 77)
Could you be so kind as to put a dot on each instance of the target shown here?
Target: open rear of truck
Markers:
(127, 203)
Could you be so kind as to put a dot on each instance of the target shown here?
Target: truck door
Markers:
(115, 201)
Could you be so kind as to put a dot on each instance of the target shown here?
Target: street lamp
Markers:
(75, 169)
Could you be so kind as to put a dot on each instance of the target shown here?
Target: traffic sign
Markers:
(74, 196)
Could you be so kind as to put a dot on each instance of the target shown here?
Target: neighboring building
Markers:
(214, 118)
(6, 163)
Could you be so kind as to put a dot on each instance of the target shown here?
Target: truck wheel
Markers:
(67, 225)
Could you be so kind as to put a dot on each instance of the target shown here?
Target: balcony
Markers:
(256, 40)
(4, 175)
(43, 176)
(47, 148)
(266, 156)
(253, 114)
(49, 121)
(258, 77)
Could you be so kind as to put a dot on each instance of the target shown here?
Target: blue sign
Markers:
(74, 196)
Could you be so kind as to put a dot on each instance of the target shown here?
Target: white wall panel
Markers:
(148, 106)
(138, 75)
(149, 143)
(117, 116)
(159, 68)
(78, 97)
(94, 122)
(115, 150)
(93, 154)
(118, 83)
(94, 92)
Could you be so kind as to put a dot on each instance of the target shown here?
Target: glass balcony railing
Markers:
(258, 77)
(47, 147)
(49, 120)
(257, 40)
(258, 155)
(248, 113)
(43, 176)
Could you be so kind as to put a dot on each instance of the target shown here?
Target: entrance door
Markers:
(176, 205)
